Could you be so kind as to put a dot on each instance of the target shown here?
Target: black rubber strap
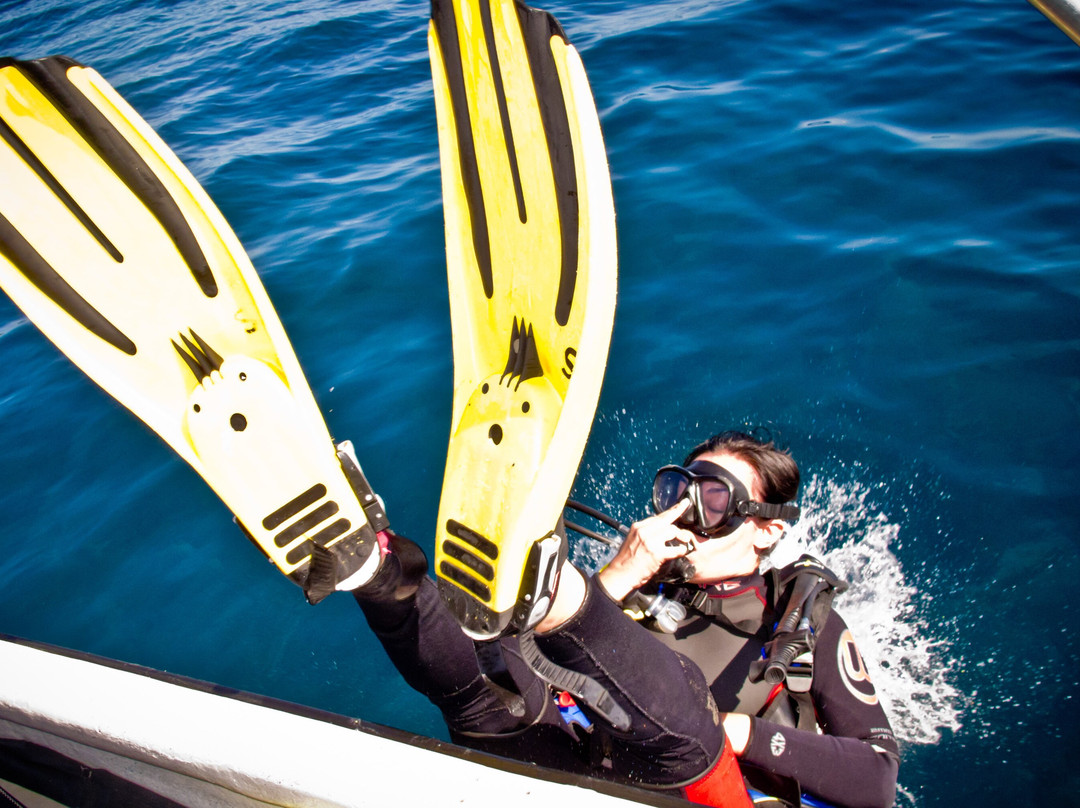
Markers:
(769, 510)
(373, 508)
(583, 688)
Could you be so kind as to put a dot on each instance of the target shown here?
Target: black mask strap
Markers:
(767, 510)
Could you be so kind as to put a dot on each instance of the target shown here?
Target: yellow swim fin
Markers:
(111, 247)
(531, 263)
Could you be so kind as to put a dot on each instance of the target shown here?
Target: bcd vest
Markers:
(733, 628)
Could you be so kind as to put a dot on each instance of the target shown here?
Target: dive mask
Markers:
(719, 503)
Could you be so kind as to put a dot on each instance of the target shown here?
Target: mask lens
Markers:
(715, 499)
(668, 488)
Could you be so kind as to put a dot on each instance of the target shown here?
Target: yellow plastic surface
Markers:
(515, 444)
(283, 448)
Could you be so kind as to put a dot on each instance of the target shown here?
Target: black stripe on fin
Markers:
(199, 357)
(49, 75)
(212, 356)
(470, 536)
(300, 552)
(523, 358)
(461, 578)
(477, 565)
(538, 27)
(504, 112)
(294, 507)
(331, 532)
(307, 523)
(37, 270)
(442, 15)
(20, 148)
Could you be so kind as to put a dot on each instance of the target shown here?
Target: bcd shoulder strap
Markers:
(803, 593)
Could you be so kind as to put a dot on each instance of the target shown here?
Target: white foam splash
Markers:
(908, 657)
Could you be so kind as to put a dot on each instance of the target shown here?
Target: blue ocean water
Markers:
(854, 223)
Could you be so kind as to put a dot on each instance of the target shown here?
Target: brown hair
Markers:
(775, 468)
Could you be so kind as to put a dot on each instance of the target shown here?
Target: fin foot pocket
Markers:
(466, 586)
(346, 564)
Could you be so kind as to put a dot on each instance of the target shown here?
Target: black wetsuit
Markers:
(675, 734)
(853, 760)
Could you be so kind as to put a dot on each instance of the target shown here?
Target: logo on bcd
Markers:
(853, 670)
(777, 744)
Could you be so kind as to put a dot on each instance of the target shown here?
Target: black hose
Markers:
(802, 596)
(793, 634)
(597, 515)
(592, 534)
(783, 654)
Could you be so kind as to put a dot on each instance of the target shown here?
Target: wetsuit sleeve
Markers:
(854, 763)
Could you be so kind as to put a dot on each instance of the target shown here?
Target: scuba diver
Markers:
(723, 661)
(727, 670)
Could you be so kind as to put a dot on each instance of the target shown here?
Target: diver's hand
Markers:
(647, 546)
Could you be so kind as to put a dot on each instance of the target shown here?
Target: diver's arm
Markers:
(854, 764)
(647, 546)
(845, 772)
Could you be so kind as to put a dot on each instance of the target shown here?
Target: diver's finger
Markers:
(674, 512)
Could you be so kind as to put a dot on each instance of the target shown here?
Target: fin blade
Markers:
(19, 146)
(530, 255)
(214, 374)
(50, 76)
(30, 263)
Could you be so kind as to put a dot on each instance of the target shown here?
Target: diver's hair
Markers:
(775, 468)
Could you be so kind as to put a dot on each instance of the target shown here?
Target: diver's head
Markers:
(776, 471)
(739, 489)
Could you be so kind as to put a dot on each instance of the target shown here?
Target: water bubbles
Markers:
(909, 657)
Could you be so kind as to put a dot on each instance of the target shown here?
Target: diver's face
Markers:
(735, 554)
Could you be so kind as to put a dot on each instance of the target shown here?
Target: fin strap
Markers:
(322, 575)
(583, 688)
(369, 500)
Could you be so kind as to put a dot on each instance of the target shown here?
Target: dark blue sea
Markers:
(855, 223)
